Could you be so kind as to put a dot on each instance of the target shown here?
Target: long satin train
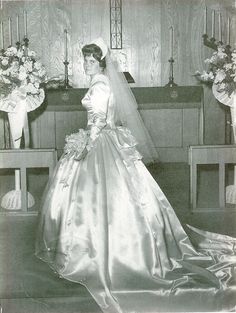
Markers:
(106, 224)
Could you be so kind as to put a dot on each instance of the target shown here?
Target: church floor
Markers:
(27, 285)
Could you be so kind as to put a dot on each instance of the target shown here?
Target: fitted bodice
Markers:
(99, 103)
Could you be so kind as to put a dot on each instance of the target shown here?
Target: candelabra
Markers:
(171, 82)
(213, 44)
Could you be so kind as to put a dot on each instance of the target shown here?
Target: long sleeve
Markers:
(99, 97)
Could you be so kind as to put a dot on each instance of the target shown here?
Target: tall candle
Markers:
(205, 21)
(17, 28)
(228, 31)
(220, 28)
(2, 36)
(10, 31)
(66, 47)
(213, 24)
(171, 41)
(25, 24)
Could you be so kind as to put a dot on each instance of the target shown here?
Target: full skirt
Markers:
(106, 224)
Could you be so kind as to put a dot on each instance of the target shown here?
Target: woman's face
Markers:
(91, 65)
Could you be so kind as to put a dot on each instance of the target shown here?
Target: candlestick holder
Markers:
(66, 83)
(213, 44)
(26, 45)
(171, 82)
(228, 49)
(26, 42)
(209, 42)
(17, 45)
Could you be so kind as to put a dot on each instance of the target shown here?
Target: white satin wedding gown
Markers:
(105, 223)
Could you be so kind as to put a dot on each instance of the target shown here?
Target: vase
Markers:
(230, 101)
(231, 189)
(17, 104)
(18, 122)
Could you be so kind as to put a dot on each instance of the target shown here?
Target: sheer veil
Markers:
(126, 110)
(126, 107)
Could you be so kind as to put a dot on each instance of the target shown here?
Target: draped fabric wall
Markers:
(145, 50)
(145, 34)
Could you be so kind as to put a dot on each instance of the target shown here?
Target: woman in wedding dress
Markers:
(105, 223)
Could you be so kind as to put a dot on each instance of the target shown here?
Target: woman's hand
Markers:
(82, 155)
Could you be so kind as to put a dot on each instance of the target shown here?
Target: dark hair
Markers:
(96, 52)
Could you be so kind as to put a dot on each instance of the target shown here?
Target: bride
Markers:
(105, 223)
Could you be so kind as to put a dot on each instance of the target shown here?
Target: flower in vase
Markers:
(37, 65)
(20, 53)
(5, 80)
(32, 78)
(14, 72)
(4, 61)
(28, 65)
(228, 66)
(221, 70)
(31, 53)
(21, 74)
(207, 61)
(41, 72)
(11, 51)
(221, 53)
(220, 76)
(205, 76)
(7, 72)
(233, 55)
(213, 59)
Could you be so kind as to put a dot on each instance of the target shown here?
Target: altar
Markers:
(173, 116)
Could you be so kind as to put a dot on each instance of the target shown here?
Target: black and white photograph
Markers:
(117, 156)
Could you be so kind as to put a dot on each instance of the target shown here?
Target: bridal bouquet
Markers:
(221, 70)
(21, 75)
(75, 144)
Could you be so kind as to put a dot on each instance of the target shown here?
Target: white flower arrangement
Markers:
(19, 70)
(221, 70)
(76, 143)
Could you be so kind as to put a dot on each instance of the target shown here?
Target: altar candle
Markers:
(10, 31)
(205, 21)
(25, 24)
(17, 28)
(171, 41)
(220, 29)
(2, 36)
(66, 46)
(228, 31)
(213, 24)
